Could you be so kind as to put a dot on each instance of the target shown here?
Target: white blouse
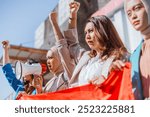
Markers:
(94, 68)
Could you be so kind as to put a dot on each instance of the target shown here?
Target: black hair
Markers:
(32, 61)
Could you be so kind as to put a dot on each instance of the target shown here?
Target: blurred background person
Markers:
(28, 85)
(60, 79)
(138, 13)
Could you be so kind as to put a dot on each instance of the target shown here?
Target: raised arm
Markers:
(56, 29)
(5, 45)
(74, 7)
(16, 84)
(62, 46)
(76, 51)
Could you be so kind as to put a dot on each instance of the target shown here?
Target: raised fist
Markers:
(74, 7)
(5, 44)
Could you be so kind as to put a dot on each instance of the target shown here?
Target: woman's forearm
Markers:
(6, 58)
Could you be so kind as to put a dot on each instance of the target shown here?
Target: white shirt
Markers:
(90, 70)
(94, 68)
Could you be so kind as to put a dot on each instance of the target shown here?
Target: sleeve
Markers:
(62, 82)
(67, 62)
(76, 51)
(72, 36)
(16, 84)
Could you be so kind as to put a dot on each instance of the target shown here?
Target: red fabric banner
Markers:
(116, 87)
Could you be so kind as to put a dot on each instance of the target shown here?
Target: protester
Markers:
(138, 13)
(103, 40)
(29, 77)
(60, 78)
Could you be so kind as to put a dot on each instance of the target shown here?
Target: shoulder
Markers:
(86, 53)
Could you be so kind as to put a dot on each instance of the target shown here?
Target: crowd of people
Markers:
(72, 66)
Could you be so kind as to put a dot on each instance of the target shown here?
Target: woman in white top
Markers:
(103, 40)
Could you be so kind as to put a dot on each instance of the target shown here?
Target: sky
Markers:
(19, 20)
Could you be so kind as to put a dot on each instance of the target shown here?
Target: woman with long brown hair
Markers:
(103, 40)
(106, 46)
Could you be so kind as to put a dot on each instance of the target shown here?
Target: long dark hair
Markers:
(108, 37)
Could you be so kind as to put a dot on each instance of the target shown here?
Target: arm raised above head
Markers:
(5, 45)
(54, 23)
(62, 46)
(74, 7)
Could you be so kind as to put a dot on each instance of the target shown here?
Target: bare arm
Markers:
(6, 59)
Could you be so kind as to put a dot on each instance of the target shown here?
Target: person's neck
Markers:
(146, 33)
(58, 71)
(98, 51)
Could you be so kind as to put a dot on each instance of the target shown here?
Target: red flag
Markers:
(44, 68)
(116, 87)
